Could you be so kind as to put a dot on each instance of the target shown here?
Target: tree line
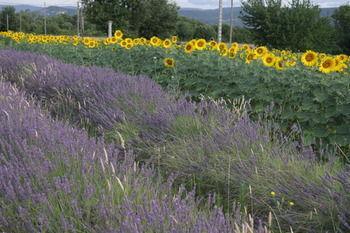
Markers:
(297, 26)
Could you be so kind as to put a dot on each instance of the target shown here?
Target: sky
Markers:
(205, 4)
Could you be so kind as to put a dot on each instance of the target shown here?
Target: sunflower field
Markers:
(159, 135)
(309, 89)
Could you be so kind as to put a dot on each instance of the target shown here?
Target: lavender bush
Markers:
(208, 146)
(55, 179)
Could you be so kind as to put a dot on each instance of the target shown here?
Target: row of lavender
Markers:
(55, 179)
(205, 145)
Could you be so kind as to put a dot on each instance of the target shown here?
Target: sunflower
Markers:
(261, 51)
(222, 46)
(174, 39)
(201, 44)
(309, 58)
(342, 57)
(189, 48)
(246, 47)
(291, 63)
(155, 41)
(123, 43)
(213, 44)
(340, 66)
(92, 44)
(118, 34)
(269, 59)
(86, 41)
(232, 52)
(129, 45)
(250, 57)
(169, 62)
(113, 40)
(143, 40)
(167, 43)
(279, 64)
(327, 65)
(136, 41)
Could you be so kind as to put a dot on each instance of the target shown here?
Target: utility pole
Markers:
(20, 21)
(231, 22)
(220, 22)
(7, 22)
(82, 19)
(110, 22)
(45, 18)
(78, 19)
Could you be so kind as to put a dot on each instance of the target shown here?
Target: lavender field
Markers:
(86, 149)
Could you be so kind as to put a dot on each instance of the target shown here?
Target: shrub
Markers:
(55, 179)
(205, 144)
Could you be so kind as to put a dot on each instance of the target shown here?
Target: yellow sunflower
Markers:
(155, 41)
(118, 34)
(189, 48)
(340, 66)
(174, 39)
(213, 44)
(327, 65)
(269, 59)
(250, 57)
(279, 64)
(201, 44)
(92, 44)
(123, 43)
(261, 51)
(169, 62)
(167, 43)
(309, 58)
(113, 40)
(222, 47)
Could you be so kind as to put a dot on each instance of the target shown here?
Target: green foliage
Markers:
(33, 22)
(342, 22)
(241, 35)
(319, 103)
(135, 17)
(297, 26)
(10, 12)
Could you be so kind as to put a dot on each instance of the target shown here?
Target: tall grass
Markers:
(208, 146)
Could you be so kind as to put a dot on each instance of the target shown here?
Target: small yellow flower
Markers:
(169, 62)
(273, 194)
(291, 203)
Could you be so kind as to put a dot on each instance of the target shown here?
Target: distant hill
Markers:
(50, 11)
(211, 16)
(205, 16)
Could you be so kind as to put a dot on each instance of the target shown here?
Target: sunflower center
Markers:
(327, 64)
(269, 60)
(309, 57)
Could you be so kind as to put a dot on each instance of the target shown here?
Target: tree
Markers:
(135, 17)
(10, 12)
(297, 26)
(342, 24)
(160, 19)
